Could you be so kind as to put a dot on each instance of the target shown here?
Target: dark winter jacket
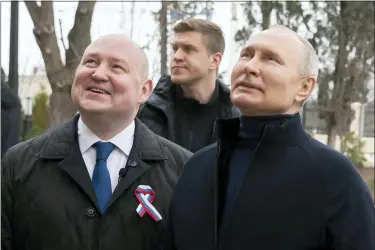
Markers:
(158, 113)
(10, 118)
(48, 201)
(298, 194)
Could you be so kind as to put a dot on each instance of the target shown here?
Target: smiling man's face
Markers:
(110, 78)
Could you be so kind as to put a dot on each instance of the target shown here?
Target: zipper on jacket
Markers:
(190, 137)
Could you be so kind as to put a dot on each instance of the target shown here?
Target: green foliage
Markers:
(312, 134)
(370, 184)
(352, 146)
(39, 115)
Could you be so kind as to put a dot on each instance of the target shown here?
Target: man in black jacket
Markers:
(10, 116)
(184, 106)
(267, 184)
(102, 180)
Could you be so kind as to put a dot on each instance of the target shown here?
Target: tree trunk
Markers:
(331, 131)
(60, 76)
(266, 8)
(331, 139)
(61, 108)
(163, 25)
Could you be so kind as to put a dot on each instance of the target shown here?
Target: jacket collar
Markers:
(164, 95)
(289, 133)
(61, 139)
(146, 144)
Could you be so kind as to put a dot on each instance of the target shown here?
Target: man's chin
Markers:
(180, 80)
(93, 109)
(244, 102)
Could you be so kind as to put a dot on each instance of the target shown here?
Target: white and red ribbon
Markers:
(145, 195)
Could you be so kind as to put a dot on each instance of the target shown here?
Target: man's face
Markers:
(190, 59)
(266, 78)
(109, 79)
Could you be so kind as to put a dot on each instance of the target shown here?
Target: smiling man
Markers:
(102, 180)
(184, 106)
(267, 184)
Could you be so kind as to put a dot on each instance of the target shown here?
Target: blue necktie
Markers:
(101, 179)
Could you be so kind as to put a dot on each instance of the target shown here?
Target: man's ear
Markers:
(146, 91)
(307, 85)
(216, 60)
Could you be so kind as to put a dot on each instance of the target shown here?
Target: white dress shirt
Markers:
(117, 159)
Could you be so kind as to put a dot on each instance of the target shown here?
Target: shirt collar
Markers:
(123, 140)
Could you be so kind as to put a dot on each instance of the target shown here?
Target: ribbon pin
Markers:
(145, 195)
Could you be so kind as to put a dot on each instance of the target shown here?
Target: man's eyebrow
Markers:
(112, 58)
(262, 49)
(183, 44)
(115, 59)
(93, 54)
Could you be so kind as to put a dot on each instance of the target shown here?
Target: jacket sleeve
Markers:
(350, 214)
(6, 203)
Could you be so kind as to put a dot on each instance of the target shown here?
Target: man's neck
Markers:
(103, 127)
(201, 91)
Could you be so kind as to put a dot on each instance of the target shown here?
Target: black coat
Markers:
(158, 113)
(48, 201)
(298, 194)
(10, 118)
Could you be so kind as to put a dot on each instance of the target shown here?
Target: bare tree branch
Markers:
(163, 27)
(34, 10)
(61, 33)
(79, 36)
(46, 6)
(132, 19)
(44, 32)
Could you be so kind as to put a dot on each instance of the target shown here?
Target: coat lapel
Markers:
(146, 147)
(75, 166)
(63, 145)
(132, 174)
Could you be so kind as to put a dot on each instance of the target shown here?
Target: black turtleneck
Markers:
(250, 132)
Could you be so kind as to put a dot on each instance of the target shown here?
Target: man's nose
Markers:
(178, 55)
(252, 67)
(100, 74)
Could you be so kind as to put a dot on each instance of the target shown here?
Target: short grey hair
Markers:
(309, 59)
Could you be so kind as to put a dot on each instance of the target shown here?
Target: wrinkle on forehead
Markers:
(128, 48)
(281, 41)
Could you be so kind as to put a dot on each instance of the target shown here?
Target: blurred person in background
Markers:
(184, 106)
(10, 116)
